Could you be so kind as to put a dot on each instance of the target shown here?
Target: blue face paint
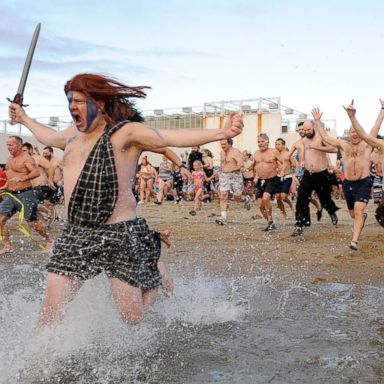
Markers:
(70, 99)
(92, 112)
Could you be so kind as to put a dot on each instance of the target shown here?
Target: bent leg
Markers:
(60, 291)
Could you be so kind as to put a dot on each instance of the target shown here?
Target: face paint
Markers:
(92, 112)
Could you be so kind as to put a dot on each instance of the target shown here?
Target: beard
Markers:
(310, 135)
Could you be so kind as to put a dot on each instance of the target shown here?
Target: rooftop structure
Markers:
(263, 114)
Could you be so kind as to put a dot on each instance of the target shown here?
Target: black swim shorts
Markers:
(359, 190)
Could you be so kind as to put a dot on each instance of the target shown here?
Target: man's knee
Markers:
(132, 316)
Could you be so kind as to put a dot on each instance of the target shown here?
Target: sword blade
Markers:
(28, 61)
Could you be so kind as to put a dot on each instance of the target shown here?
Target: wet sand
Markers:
(321, 256)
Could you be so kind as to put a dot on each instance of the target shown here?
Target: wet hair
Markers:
(50, 149)
(263, 136)
(116, 96)
(28, 145)
(282, 140)
(17, 138)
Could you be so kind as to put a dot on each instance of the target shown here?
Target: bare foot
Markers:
(6, 249)
(164, 237)
(167, 281)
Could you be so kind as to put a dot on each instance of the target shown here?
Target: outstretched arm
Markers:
(332, 141)
(373, 141)
(376, 128)
(151, 138)
(45, 135)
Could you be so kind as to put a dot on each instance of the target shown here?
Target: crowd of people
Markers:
(31, 183)
(291, 177)
(100, 179)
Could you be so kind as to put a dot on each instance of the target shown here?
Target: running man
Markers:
(298, 147)
(21, 169)
(371, 140)
(101, 150)
(267, 162)
(231, 179)
(358, 182)
(285, 174)
(42, 185)
(314, 179)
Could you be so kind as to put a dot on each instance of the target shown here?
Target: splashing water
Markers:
(224, 330)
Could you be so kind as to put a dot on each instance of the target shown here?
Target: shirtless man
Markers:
(267, 162)
(231, 178)
(299, 172)
(21, 169)
(358, 182)
(42, 185)
(285, 174)
(57, 173)
(371, 140)
(101, 150)
(314, 178)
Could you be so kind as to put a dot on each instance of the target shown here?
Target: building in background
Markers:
(261, 115)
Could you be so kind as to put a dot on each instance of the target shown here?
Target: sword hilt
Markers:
(18, 99)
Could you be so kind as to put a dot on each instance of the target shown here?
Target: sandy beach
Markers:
(321, 256)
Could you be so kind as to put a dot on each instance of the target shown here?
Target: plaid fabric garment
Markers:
(128, 251)
(95, 194)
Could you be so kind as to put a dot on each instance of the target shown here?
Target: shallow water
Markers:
(213, 330)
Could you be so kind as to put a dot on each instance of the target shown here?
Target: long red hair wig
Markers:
(116, 96)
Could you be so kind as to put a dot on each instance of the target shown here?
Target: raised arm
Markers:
(373, 141)
(45, 135)
(376, 128)
(332, 141)
(151, 138)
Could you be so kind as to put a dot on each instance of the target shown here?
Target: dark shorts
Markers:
(43, 193)
(357, 191)
(128, 251)
(271, 186)
(10, 205)
(286, 183)
(377, 189)
(332, 179)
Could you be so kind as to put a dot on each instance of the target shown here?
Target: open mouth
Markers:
(76, 118)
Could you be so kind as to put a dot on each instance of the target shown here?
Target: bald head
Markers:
(309, 128)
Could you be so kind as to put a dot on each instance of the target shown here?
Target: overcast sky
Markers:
(190, 52)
